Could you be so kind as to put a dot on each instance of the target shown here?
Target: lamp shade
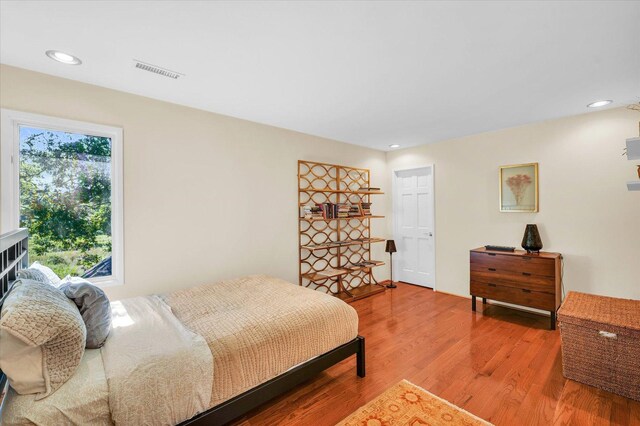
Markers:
(391, 247)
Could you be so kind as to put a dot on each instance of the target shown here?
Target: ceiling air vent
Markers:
(157, 70)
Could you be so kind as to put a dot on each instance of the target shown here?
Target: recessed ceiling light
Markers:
(65, 58)
(599, 104)
(394, 145)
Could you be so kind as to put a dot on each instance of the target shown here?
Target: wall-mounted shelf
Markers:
(633, 185)
(633, 148)
(633, 153)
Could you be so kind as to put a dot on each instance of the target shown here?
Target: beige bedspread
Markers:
(158, 372)
(258, 327)
(165, 362)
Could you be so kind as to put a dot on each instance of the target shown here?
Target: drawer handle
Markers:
(608, 335)
(526, 290)
(491, 285)
(526, 274)
(492, 269)
(491, 254)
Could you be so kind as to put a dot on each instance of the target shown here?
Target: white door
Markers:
(413, 212)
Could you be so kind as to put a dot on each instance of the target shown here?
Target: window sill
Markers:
(105, 282)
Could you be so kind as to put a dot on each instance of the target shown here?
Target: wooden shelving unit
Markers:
(332, 250)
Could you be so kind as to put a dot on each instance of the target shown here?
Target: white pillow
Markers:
(53, 278)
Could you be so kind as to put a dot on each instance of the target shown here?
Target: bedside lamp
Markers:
(391, 248)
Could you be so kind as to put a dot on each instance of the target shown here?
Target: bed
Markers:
(200, 356)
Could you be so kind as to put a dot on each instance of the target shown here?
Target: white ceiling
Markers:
(368, 73)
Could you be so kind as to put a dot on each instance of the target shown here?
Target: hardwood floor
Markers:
(498, 363)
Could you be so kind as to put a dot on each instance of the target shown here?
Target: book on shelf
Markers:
(335, 210)
(354, 210)
(312, 212)
(343, 210)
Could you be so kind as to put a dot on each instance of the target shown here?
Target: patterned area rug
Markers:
(407, 404)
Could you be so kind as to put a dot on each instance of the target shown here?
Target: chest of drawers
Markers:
(520, 278)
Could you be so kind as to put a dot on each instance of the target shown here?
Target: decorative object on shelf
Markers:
(531, 240)
(519, 188)
(391, 248)
(638, 171)
(334, 230)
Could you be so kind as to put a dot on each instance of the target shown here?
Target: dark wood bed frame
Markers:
(14, 256)
(245, 402)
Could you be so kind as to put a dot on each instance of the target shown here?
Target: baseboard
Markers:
(386, 282)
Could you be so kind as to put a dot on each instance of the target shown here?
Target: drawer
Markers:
(513, 279)
(518, 264)
(518, 296)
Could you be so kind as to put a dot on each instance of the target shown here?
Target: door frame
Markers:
(394, 208)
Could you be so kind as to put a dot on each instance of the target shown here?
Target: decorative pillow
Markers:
(94, 307)
(39, 272)
(44, 324)
(34, 275)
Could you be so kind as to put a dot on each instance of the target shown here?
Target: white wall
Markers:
(586, 212)
(206, 196)
(210, 197)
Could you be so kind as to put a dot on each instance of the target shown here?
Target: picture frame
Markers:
(518, 188)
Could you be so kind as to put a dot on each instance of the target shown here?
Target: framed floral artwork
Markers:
(519, 188)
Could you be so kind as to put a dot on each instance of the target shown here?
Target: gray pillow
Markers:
(94, 307)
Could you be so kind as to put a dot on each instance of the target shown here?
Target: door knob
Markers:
(429, 234)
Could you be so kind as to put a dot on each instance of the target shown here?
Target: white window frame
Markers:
(10, 122)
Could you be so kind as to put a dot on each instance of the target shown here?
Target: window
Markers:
(62, 180)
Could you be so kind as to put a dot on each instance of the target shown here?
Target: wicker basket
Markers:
(601, 342)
